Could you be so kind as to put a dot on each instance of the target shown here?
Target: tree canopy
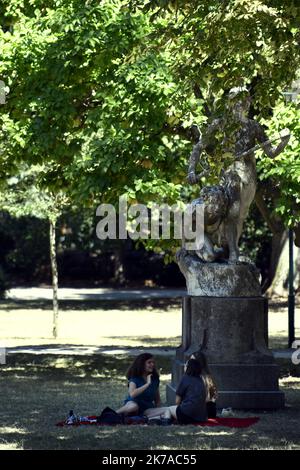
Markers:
(105, 92)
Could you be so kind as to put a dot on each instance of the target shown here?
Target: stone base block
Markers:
(243, 400)
(242, 386)
(231, 332)
(218, 279)
(245, 377)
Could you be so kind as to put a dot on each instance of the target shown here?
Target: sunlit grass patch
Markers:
(37, 390)
(11, 430)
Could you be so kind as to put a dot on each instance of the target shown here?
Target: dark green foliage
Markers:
(104, 93)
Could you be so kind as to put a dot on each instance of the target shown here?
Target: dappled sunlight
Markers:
(85, 371)
(69, 368)
(164, 448)
(205, 431)
(11, 429)
(108, 431)
(61, 363)
(26, 377)
(10, 446)
(37, 414)
(217, 433)
(290, 380)
(13, 369)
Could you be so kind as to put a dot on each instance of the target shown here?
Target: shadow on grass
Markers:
(118, 304)
(278, 342)
(279, 304)
(74, 366)
(124, 344)
(172, 342)
(38, 391)
(161, 345)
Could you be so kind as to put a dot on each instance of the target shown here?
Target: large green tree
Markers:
(23, 196)
(106, 92)
(81, 99)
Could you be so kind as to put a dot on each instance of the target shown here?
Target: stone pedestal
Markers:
(230, 330)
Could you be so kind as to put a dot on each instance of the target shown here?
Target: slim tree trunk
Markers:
(119, 276)
(54, 277)
(278, 246)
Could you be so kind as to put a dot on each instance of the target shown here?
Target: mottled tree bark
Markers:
(276, 227)
(279, 284)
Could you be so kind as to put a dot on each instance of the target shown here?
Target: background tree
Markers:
(107, 93)
(278, 196)
(24, 197)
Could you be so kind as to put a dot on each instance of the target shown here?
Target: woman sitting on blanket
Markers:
(191, 396)
(211, 389)
(143, 389)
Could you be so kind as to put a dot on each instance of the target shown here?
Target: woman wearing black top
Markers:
(190, 396)
(211, 389)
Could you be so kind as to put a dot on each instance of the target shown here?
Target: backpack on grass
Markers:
(110, 417)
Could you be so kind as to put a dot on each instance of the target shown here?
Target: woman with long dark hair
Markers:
(143, 388)
(190, 396)
(211, 389)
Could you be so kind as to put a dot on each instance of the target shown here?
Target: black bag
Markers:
(211, 409)
(110, 417)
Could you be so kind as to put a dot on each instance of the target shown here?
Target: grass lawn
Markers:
(115, 324)
(37, 390)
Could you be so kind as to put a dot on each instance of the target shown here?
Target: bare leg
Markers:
(129, 408)
(172, 411)
(155, 412)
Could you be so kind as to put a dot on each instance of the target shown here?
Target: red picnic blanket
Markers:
(228, 422)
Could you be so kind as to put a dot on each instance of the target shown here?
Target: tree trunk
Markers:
(279, 240)
(277, 282)
(54, 278)
(119, 275)
(280, 265)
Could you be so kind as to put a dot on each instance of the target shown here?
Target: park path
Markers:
(89, 332)
(40, 319)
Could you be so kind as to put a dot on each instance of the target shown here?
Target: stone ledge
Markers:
(218, 279)
(241, 400)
